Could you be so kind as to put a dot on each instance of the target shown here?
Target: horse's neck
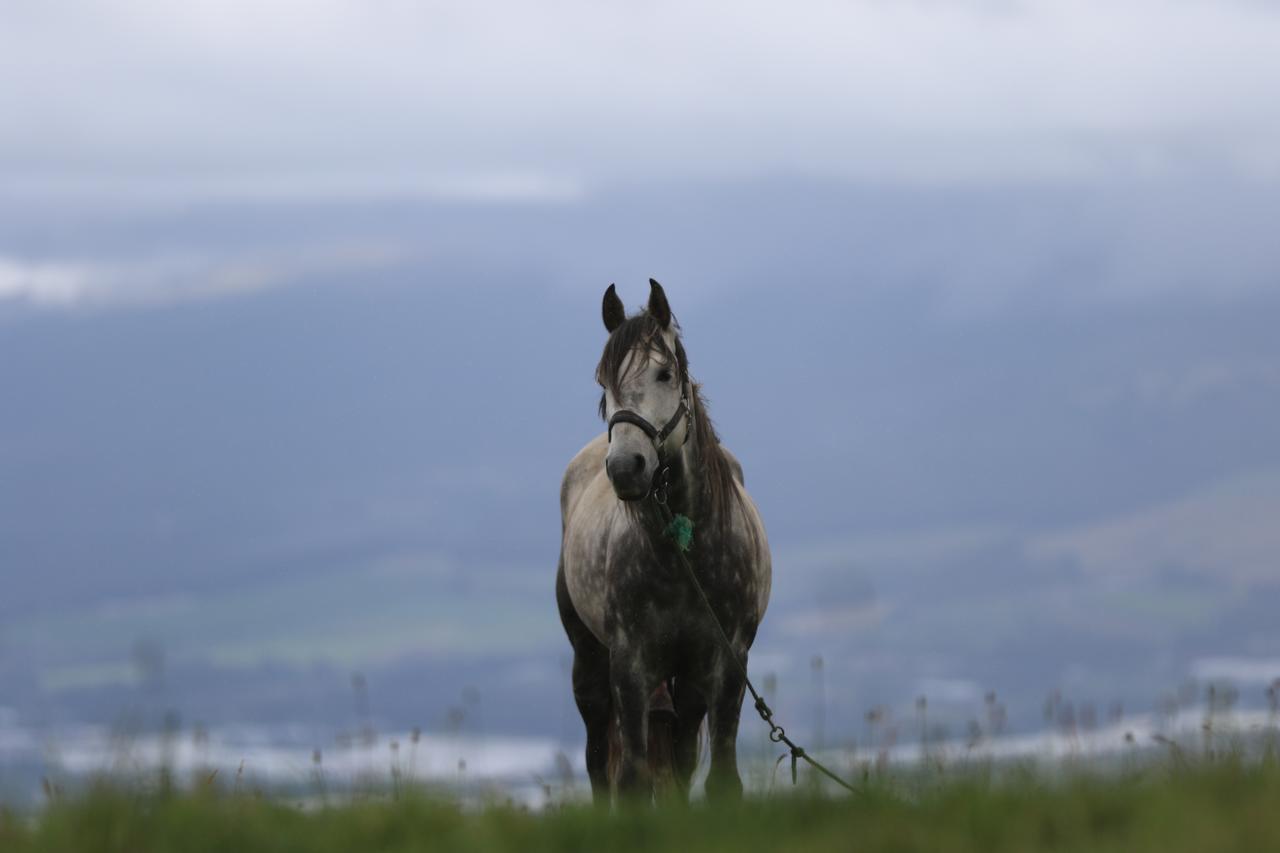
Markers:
(685, 495)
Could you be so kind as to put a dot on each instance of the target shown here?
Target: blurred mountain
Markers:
(1009, 440)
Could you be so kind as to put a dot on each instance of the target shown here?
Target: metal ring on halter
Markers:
(661, 485)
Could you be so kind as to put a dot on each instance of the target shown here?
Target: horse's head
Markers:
(645, 377)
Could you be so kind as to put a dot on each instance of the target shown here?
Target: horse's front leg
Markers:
(724, 706)
(632, 684)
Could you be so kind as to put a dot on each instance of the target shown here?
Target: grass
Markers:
(1225, 805)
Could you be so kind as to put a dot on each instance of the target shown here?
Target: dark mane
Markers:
(719, 488)
(714, 482)
(642, 334)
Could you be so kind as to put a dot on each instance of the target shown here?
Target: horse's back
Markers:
(735, 466)
(761, 569)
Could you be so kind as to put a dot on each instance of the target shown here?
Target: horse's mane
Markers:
(642, 334)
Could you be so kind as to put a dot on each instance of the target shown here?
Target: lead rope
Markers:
(777, 733)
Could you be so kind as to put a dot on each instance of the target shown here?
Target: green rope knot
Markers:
(680, 529)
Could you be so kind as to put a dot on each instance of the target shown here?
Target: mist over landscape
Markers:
(282, 421)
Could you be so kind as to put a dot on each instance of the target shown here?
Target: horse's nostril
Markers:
(639, 460)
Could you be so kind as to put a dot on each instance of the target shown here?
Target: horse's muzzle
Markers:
(629, 475)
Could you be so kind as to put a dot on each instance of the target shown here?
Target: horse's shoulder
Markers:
(587, 463)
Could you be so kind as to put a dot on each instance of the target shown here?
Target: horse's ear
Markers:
(613, 310)
(658, 307)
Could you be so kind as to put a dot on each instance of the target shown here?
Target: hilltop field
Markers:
(1228, 805)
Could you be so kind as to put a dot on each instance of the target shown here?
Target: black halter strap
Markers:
(657, 436)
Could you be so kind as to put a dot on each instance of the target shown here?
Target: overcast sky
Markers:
(988, 278)
(554, 99)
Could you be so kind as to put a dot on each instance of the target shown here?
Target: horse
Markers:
(643, 640)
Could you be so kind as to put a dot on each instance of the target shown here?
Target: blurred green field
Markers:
(1224, 806)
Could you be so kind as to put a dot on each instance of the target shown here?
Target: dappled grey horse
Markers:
(641, 636)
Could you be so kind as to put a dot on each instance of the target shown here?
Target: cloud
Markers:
(952, 691)
(922, 92)
(43, 283)
(179, 276)
(834, 619)
(1176, 389)
(285, 187)
(1265, 671)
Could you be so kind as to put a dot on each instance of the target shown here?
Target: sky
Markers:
(982, 293)
(287, 102)
(511, 101)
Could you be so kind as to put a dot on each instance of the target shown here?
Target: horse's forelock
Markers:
(641, 335)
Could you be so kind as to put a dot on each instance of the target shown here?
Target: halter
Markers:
(658, 437)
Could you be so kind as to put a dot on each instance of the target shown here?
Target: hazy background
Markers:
(299, 307)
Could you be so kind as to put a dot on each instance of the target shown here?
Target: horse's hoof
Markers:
(724, 789)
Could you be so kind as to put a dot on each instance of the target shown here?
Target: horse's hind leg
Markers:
(662, 733)
(590, 692)
(691, 710)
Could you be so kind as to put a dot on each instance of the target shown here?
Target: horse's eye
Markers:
(664, 375)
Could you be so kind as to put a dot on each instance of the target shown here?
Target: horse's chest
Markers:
(630, 593)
